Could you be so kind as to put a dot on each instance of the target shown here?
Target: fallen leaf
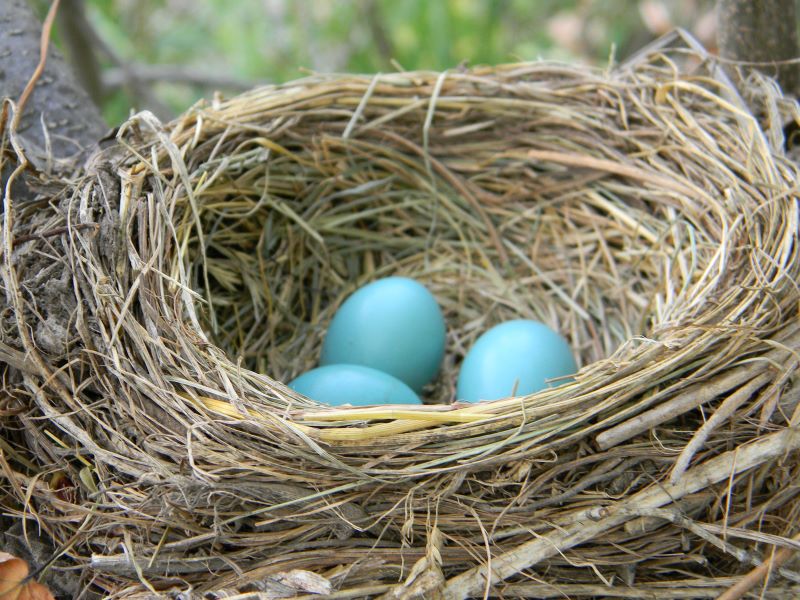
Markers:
(63, 487)
(35, 591)
(13, 581)
(13, 572)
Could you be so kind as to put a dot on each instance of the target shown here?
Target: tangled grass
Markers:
(156, 304)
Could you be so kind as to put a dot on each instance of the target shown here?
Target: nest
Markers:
(157, 303)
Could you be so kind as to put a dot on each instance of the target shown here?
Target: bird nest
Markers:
(156, 305)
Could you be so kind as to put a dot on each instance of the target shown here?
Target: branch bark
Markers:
(761, 35)
(59, 113)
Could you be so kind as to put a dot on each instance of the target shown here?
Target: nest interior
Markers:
(155, 305)
(278, 236)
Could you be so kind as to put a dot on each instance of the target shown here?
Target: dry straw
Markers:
(155, 304)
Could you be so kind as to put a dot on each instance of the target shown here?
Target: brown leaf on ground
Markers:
(14, 584)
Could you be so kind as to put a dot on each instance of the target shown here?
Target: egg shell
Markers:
(353, 384)
(515, 357)
(394, 325)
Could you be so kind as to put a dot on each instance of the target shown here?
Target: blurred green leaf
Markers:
(274, 40)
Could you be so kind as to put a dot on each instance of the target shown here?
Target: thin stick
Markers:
(776, 560)
(694, 396)
(725, 410)
(593, 522)
(45, 42)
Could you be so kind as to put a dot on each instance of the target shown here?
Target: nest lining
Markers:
(642, 213)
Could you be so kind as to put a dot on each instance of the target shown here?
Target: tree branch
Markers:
(75, 34)
(761, 32)
(377, 30)
(118, 76)
(139, 91)
(59, 107)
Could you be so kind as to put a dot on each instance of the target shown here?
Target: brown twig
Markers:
(54, 232)
(692, 397)
(593, 522)
(759, 573)
(44, 43)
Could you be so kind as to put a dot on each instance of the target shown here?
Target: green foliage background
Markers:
(279, 40)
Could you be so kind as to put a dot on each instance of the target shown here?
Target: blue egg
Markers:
(353, 384)
(513, 358)
(393, 325)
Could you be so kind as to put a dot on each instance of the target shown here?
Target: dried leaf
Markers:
(427, 585)
(34, 591)
(13, 584)
(13, 572)
(63, 487)
(419, 567)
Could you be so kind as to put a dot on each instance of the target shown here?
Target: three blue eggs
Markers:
(387, 341)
